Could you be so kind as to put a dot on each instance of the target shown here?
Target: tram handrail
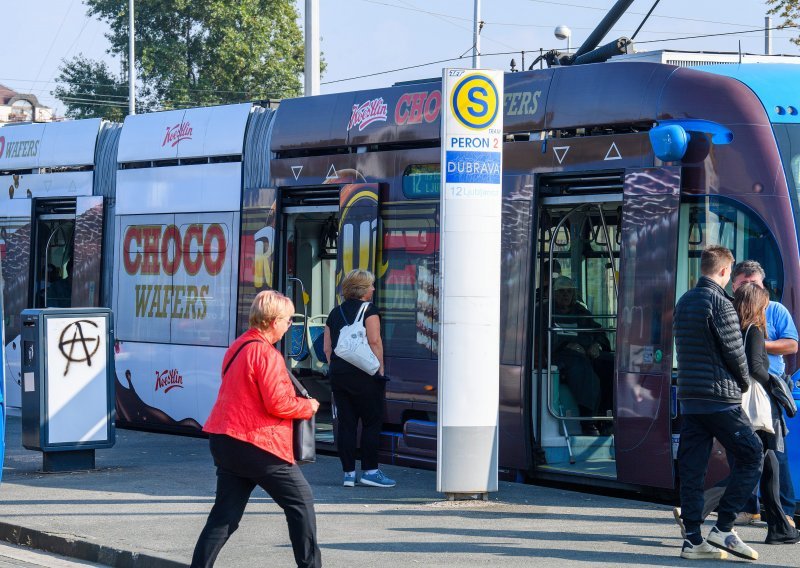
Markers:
(551, 328)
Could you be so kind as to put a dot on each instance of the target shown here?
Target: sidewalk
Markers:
(146, 503)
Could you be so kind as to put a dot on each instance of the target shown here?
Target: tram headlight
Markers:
(669, 142)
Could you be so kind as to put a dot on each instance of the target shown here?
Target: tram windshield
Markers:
(788, 137)
(711, 220)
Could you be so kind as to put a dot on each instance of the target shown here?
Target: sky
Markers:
(366, 43)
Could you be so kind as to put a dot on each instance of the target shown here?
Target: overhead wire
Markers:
(406, 68)
(55, 37)
(566, 4)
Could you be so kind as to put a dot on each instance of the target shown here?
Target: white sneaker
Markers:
(731, 542)
(747, 519)
(702, 551)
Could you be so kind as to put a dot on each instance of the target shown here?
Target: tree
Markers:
(88, 89)
(789, 10)
(191, 53)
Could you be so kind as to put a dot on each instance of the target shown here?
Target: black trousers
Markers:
(734, 431)
(358, 400)
(240, 468)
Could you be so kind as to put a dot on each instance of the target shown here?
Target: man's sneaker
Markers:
(676, 512)
(349, 480)
(747, 519)
(376, 479)
(702, 551)
(731, 542)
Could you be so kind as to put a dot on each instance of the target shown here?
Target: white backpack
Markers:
(353, 346)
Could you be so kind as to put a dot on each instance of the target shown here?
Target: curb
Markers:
(81, 549)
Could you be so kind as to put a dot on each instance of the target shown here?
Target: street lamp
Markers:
(563, 32)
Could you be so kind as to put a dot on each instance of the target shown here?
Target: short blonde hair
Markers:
(356, 284)
(268, 306)
(715, 258)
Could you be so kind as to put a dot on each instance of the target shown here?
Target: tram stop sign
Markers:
(469, 301)
(67, 385)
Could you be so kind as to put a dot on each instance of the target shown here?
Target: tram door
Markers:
(645, 403)
(575, 343)
(326, 232)
(66, 252)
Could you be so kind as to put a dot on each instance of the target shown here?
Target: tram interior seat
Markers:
(299, 347)
(311, 370)
(316, 339)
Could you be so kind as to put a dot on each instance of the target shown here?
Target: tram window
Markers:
(714, 220)
(788, 137)
(408, 289)
(422, 181)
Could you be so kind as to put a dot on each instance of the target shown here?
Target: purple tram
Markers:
(592, 203)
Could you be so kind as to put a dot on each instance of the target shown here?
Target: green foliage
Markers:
(191, 53)
(90, 90)
(788, 10)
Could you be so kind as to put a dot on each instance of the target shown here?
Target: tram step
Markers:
(584, 448)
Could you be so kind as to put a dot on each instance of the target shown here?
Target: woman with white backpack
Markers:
(354, 350)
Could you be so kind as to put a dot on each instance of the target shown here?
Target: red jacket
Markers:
(257, 401)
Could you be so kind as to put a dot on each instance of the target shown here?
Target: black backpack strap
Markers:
(228, 366)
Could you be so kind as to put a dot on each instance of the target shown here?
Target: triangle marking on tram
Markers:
(613, 153)
(560, 152)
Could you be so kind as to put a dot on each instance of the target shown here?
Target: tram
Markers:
(177, 219)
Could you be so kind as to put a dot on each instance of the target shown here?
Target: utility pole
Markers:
(476, 36)
(131, 63)
(312, 48)
(767, 35)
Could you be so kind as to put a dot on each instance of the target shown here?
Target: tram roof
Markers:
(49, 144)
(777, 85)
(184, 133)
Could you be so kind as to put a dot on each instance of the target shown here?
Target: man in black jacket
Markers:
(712, 374)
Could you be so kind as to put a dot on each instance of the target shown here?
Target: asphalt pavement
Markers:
(148, 499)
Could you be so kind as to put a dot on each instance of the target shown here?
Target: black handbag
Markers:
(304, 431)
(782, 393)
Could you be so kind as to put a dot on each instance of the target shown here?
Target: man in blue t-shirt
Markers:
(781, 340)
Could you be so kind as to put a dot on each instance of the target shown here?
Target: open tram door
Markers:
(603, 340)
(645, 405)
(576, 305)
(66, 252)
(325, 232)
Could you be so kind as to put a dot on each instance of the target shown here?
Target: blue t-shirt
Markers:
(779, 326)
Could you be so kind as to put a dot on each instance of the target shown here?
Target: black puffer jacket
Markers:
(708, 340)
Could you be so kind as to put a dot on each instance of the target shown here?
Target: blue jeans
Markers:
(735, 432)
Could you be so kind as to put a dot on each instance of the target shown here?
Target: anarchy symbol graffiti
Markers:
(79, 348)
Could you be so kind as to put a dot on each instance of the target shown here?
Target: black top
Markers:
(708, 341)
(577, 316)
(758, 363)
(335, 323)
(757, 360)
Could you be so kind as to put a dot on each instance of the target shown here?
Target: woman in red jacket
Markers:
(250, 436)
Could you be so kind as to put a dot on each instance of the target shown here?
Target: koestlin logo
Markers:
(168, 380)
(175, 134)
(367, 113)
